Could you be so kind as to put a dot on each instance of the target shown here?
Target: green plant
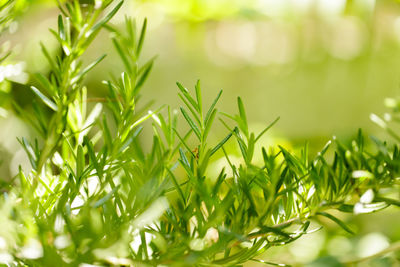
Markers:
(96, 195)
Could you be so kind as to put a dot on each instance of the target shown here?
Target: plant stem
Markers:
(392, 248)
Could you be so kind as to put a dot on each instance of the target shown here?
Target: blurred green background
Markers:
(321, 65)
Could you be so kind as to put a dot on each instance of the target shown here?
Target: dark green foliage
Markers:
(96, 195)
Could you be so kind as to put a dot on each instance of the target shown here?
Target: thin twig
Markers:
(393, 247)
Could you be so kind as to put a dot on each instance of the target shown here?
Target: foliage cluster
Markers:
(95, 195)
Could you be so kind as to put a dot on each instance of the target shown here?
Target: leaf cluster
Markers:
(96, 195)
